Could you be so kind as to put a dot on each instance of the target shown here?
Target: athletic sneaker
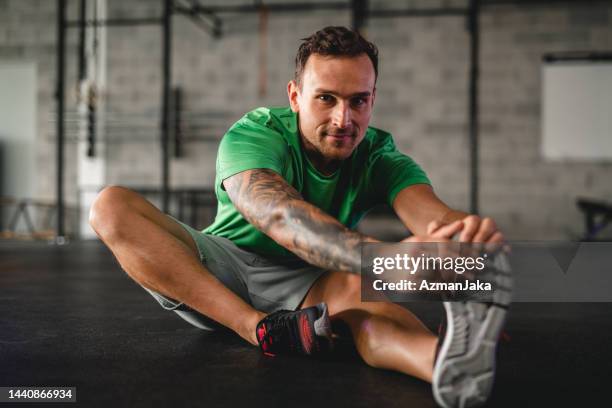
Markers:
(305, 331)
(465, 361)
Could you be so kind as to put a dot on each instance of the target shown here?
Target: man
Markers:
(281, 255)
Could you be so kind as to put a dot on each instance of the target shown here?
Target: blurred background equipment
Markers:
(139, 93)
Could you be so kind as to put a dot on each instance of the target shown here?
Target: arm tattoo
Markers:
(277, 209)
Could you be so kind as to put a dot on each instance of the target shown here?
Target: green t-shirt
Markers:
(268, 138)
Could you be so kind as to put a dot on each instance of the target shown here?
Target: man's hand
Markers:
(438, 232)
(417, 205)
(470, 228)
(481, 230)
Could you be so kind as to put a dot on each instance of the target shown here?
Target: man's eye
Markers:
(359, 101)
(325, 98)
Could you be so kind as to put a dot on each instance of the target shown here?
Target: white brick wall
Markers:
(422, 95)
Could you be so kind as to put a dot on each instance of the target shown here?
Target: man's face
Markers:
(334, 105)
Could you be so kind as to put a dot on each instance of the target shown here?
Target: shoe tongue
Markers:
(321, 325)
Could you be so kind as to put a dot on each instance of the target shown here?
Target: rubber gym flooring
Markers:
(70, 317)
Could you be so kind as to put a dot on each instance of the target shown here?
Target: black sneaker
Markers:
(306, 331)
(464, 367)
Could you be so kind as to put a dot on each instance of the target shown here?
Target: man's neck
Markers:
(323, 165)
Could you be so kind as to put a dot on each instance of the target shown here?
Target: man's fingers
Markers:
(496, 238)
(471, 227)
(422, 239)
(441, 234)
(486, 230)
(447, 231)
(433, 226)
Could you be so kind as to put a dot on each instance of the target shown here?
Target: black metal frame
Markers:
(590, 56)
(166, 64)
(61, 58)
(597, 216)
(177, 106)
(195, 11)
(474, 30)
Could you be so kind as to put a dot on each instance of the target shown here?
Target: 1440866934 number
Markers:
(33, 393)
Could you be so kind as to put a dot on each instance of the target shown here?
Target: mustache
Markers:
(340, 132)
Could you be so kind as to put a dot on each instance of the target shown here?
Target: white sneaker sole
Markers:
(464, 370)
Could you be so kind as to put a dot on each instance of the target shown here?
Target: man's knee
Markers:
(348, 291)
(107, 213)
(374, 334)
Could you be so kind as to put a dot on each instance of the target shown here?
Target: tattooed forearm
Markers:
(274, 207)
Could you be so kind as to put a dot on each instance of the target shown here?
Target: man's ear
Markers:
(292, 92)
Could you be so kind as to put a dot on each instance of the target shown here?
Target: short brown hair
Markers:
(334, 41)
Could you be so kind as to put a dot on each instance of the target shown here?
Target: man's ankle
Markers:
(250, 328)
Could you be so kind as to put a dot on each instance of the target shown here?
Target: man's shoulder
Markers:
(376, 138)
(280, 119)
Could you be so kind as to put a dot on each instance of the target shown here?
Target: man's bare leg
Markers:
(158, 253)
(386, 335)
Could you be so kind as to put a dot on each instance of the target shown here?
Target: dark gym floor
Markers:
(70, 317)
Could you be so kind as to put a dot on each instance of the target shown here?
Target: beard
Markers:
(338, 132)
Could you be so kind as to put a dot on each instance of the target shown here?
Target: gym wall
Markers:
(422, 96)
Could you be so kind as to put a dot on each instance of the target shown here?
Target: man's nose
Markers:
(342, 115)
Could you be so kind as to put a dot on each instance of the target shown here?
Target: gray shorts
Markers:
(268, 284)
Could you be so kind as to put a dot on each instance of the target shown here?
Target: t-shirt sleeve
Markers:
(248, 145)
(392, 171)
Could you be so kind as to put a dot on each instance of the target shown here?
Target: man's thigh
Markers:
(217, 256)
(136, 202)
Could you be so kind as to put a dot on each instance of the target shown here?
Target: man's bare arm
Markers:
(417, 206)
(422, 212)
(277, 209)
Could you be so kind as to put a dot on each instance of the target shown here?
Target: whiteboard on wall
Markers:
(577, 110)
(18, 128)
